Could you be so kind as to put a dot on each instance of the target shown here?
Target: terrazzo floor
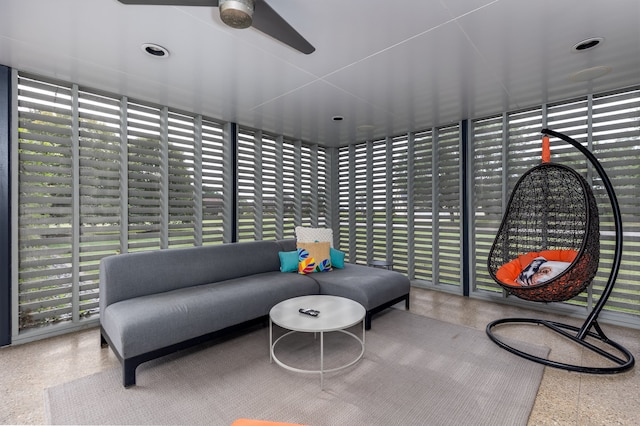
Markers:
(564, 398)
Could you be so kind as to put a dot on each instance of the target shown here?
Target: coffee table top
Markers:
(336, 313)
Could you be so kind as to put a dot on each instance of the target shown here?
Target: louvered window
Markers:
(399, 240)
(250, 166)
(146, 158)
(354, 202)
(182, 179)
(489, 195)
(304, 186)
(281, 185)
(448, 239)
(46, 230)
(389, 198)
(99, 205)
(615, 136)
(422, 195)
(320, 212)
(213, 170)
(292, 196)
(99, 175)
(377, 235)
(346, 202)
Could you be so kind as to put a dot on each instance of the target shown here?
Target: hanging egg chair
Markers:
(552, 214)
(547, 249)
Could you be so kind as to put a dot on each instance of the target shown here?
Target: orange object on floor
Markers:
(250, 422)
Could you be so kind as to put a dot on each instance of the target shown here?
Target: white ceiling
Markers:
(398, 66)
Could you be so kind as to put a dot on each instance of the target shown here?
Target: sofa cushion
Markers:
(371, 287)
(138, 274)
(146, 323)
(288, 244)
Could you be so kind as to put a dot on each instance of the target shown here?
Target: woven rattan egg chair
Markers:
(552, 214)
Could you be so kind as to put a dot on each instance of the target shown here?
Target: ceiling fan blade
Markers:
(210, 3)
(266, 20)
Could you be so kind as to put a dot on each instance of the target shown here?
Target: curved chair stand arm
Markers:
(622, 363)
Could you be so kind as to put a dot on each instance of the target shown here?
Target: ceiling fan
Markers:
(243, 14)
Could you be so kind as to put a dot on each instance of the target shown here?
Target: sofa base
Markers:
(129, 365)
(371, 312)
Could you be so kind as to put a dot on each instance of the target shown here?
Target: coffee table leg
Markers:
(322, 360)
(270, 341)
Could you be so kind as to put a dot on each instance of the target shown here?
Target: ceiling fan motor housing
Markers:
(237, 13)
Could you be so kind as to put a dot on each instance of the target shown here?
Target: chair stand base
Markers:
(622, 364)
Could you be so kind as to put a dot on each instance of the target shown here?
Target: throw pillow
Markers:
(288, 261)
(313, 257)
(541, 270)
(508, 273)
(306, 263)
(337, 258)
(310, 235)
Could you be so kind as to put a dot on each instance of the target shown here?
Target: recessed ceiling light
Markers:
(155, 50)
(587, 44)
(337, 118)
(590, 73)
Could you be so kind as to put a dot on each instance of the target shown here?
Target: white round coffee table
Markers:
(336, 314)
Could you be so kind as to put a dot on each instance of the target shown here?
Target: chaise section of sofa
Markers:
(375, 289)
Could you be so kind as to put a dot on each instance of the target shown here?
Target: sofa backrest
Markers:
(129, 275)
(288, 244)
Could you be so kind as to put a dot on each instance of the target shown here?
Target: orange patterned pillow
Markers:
(508, 273)
(314, 257)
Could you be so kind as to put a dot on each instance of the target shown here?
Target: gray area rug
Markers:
(415, 371)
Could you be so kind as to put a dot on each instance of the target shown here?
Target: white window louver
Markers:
(488, 194)
(46, 202)
(447, 216)
(99, 204)
(250, 183)
(399, 238)
(346, 203)
(615, 137)
(185, 182)
(422, 196)
(212, 168)
(146, 166)
(290, 198)
(377, 210)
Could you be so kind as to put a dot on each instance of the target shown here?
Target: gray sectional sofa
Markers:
(155, 303)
